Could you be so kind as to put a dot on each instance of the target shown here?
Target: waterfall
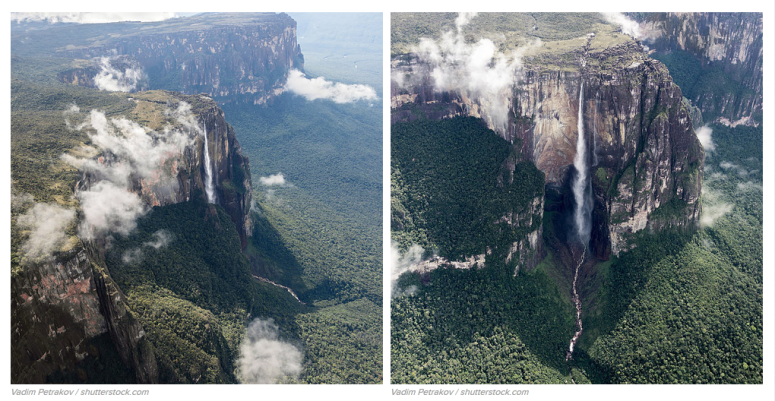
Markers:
(208, 171)
(581, 189)
(582, 194)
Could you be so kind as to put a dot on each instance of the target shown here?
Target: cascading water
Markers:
(209, 189)
(582, 194)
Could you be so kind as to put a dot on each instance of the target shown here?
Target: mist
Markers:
(402, 263)
(704, 134)
(630, 26)
(713, 207)
(111, 79)
(478, 71)
(129, 153)
(47, 223)
(161, 239)
(108, 207)
(264, 358)
(274, 179)
(319, 88)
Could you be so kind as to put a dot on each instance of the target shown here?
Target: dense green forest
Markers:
(687, 307)
(195, 324)
(681, 307)
(319, 233)
(449, 186)
(478, 325)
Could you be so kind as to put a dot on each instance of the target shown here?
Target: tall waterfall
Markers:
(209, 188)
(581, 190)
(582, 194)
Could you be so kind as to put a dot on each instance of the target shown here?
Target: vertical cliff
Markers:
(234, 58)
(647, 161)
(731, 43)
(63, 304)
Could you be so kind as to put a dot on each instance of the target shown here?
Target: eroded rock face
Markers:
(54, 306)
(234, 60)
(58, 306)
(733, 40)
(646, 153)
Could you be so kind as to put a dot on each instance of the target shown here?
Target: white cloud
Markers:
(402, 263)
(132, 256)
(21, 201)
(161, 239)
(712, 207)
(319, 88)
(92, 18)
(631, 27)
(264, 358)
(748, 185)
(463, 19)
(740, 171)
(134, 151)
(108, 207)
(274, 179)
(112, 79)
(704, 134)
(477, 71)
(47, 223)
(129, 154)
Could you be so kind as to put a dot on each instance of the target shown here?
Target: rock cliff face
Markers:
(232, 58)
(647, 161)
(733, 40)
(59, 306)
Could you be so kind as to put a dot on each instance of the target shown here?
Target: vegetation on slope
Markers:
(469, 326)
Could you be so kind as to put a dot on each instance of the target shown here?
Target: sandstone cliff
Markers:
(240, 58)
(731, 40)
(60, 306)
(647, 161)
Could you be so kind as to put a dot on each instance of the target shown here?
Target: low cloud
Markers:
(713, 207)
(108, 207)
(630, 26)
(161, 239)
(740, 171)
(478, 71)
(21, 201)
(402, 263)
(46, 223)
(264, 358)
(129, 155)
(91, 18)
(118, 75)
(272, 180)
(704, 134)
(748, 186)
(132, 256)
(319, 88)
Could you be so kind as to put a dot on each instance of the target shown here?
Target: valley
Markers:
(151, 146)
(622, 254)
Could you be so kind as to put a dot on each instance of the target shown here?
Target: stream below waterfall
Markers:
(577, 303)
